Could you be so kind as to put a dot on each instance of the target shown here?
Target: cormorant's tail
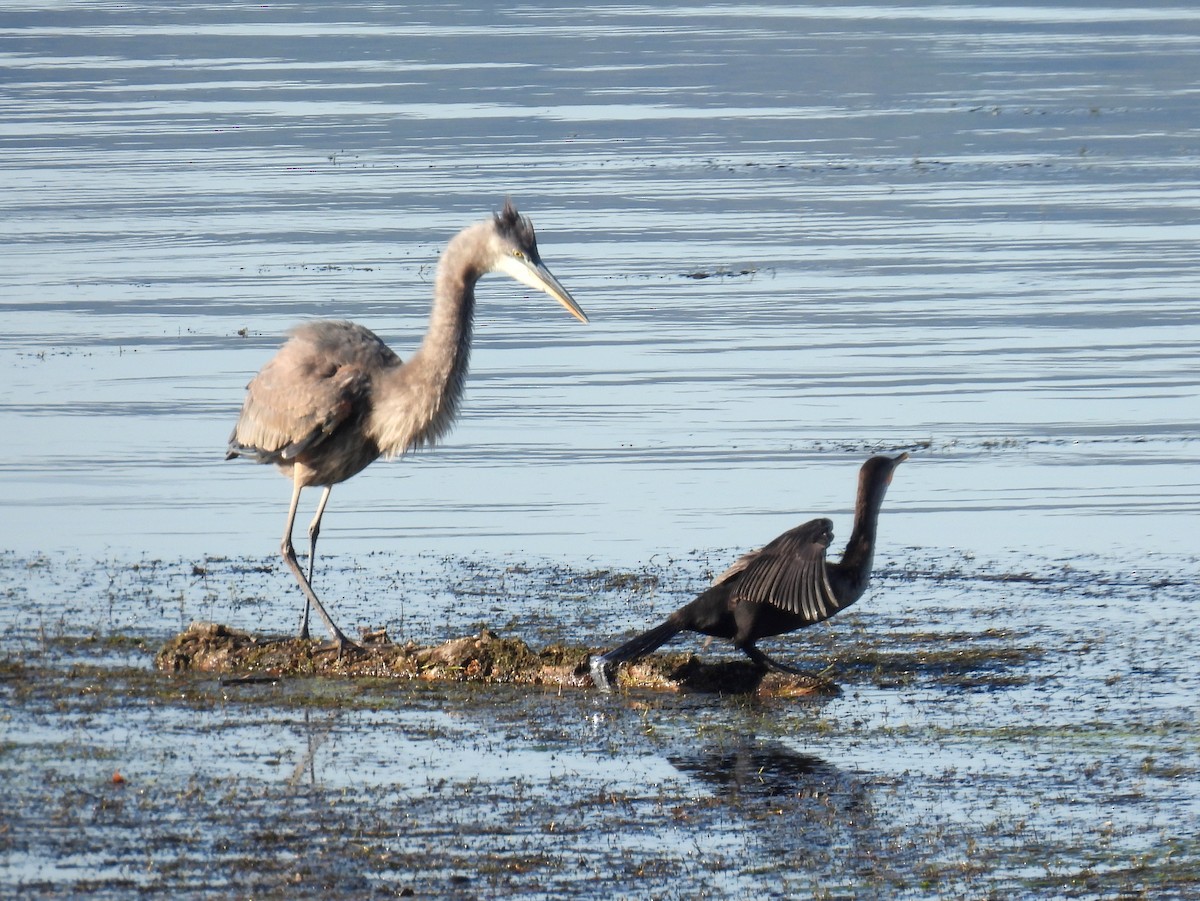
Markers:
(644, 644)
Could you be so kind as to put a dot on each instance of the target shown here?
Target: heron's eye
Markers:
(518, 254)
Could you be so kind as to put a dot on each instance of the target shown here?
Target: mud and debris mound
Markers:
(486, 657)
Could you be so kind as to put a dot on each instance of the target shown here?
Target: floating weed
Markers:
(611, 580)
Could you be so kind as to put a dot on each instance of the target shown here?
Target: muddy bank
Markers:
(485, 657)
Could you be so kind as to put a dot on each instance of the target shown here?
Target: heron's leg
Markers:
(314, 530)
(289, 554)
(289, 557)
(767, 663)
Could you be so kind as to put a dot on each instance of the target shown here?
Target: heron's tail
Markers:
(257, 454)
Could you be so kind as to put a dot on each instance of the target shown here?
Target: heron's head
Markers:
(515, 253)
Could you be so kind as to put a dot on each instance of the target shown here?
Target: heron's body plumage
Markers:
(335, 397)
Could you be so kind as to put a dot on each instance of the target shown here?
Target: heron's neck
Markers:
(422, 399)
(446, 350)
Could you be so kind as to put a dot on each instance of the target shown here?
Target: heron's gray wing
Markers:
(314, 384)
(788, 573)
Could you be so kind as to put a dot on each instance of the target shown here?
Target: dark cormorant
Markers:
(780, 588)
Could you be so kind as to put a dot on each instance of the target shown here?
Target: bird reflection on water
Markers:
(767, 769)
(335, 397)
(803, 808)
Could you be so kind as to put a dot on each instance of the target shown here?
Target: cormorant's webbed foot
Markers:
(767, 663)
(600, 673)
(344, 648)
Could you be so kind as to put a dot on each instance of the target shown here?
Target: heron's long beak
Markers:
(536, 275)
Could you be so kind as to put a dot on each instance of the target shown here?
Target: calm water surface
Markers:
(803, 233)
(969, 227)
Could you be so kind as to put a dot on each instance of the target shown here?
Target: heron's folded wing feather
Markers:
(297, 401)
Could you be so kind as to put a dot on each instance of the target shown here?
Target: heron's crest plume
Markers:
(514, 227)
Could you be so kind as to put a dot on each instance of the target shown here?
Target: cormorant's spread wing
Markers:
(788, 573)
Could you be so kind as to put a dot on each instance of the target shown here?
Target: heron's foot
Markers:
(600, 673)
(343, 647)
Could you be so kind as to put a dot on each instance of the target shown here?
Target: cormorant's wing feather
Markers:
(738, 565)
(788, 573)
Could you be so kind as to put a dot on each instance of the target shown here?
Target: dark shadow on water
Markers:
(769, 769)
(800, 807)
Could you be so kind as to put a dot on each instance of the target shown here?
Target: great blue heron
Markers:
(335, 397)
(779, 588)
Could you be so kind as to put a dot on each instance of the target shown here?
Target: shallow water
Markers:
(803, 234)
(1050, 751)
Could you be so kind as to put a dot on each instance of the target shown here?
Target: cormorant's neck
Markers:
(860, 549)
(859, 556)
